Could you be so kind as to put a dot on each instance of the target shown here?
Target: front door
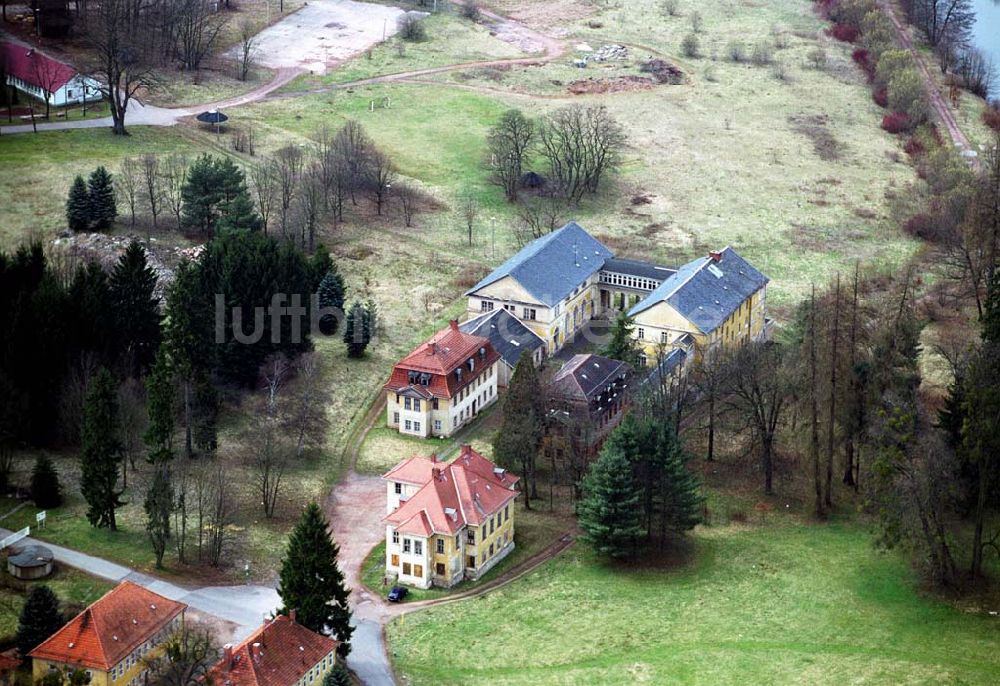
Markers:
(474, 407)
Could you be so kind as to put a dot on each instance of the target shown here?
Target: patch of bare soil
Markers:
(816, 128)
(617, 84)
(552, 14)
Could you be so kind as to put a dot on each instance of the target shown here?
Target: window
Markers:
(506, 513)
(470, 537)
(395, 538)
(416, 404)
(458, 541)
(395, 560)
(434, 404)
(642, 359)
(555, 310)
(395, 418)
(406, 545)
(416, 426)
(418, 570)
(398, 487)
(491, 524)
(641, 332)
(486, 306)
(406, 569)
(408, 425)
(440, 546)
(491, 550)
(664, 337)
(418, 547)
(406, 403)
(528, 312)
(437, 424)
(439, 569)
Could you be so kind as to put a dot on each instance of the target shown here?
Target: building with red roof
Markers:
(447, 521)
(113, 639)
(280, 653)
(45, 78)
(442, 385)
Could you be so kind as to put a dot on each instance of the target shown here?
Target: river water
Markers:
(986, 35)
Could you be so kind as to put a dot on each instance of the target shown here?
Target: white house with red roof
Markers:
(447, 521)
(45, 78)
(442, 385)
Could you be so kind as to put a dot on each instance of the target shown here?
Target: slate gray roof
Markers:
(707, 291)
(509, 336)
(644, 270)
(550, 267)
(586, 376)
(665, 369)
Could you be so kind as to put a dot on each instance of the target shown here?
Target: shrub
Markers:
(762, 55)
(45, 488)
(696, 22)
(690, 46)
(914, 147)
(881, 97)
(471, 11)
(780, 72)
(896, 122)
(844, 32)
(736, 51)
(921, 226)
(906, 94)
(817, 58)
(671, 8)
(991, 117)
(411, 28)
(863, 59)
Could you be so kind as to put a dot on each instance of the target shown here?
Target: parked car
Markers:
(397, 593)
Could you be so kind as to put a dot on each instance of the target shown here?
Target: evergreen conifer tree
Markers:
(101, 452)
(622, 346)
(206, 413)
(40, 618)
(338, 676)
(319, 264)
(46, 490)
(101, 190)
(159, 505)
(160, 394)
(611, 513)
(680, 490)
(136, 308)
(331, 295)
(78, 206)
(215, 197)
(516, 443)
(357, 330)
(311, 583)
(238, 214)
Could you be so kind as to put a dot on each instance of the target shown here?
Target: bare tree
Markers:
(469, 210)
(379, 175)
(175, 170)
(189, 654)
(48, 77)
(197, 26)
(221, 514)
(354, 147)
(509, 142)
(264, 183)
(581, 145)
(710, 379)
(539, 216)
(408, 197)
(304, 415)
(309, 204)
(117, 33)
(287, 168)
(269, 455)
(152, 185)
(132, 421)
(248, 48)
(129, 185)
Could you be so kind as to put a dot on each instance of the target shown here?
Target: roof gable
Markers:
(431, 370)
(550, 267)
(706, 291)
(31, 66)
(506, 333)
(585, 376)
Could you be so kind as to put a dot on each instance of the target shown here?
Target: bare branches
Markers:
(581, 146)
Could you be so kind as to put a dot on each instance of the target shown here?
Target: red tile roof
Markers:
(468, 490)
(107, 631)
(31, 66)
(446, 351)
(286, 652)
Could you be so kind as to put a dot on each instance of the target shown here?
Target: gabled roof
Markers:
(107, 631)
(550, 267)
(467, 490)
(506, 333)
(285, 652)
(31, 66)
(707, 291)
(437, 360)
(587, 376)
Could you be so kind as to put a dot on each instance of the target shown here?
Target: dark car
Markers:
(397, 593)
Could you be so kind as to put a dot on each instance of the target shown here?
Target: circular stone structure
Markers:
(30, 562)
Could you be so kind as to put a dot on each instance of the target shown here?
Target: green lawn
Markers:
(790, 603)
(534, 530)
(384, 448)
(74, 588)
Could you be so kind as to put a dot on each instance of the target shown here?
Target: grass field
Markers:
(73, 587)
(788, 604)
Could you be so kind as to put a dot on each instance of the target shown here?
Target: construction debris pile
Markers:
(608, 53)
(662, 71)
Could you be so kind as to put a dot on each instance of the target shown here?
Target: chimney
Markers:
(715, 255)
(255, 652)
(434, 457)
(436, 474)
(227, 656)
(431, 348)
(453, 324)
(292, 615)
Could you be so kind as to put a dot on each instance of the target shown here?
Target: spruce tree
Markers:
(311, 583)
(215, 197)
(136, 308)
(611, 513)
(40, 618)
(160, 395)
(101, 452)
(357, 330)
(206, 413)
(78, 206)
(622, 346)
(516, 444)
(331, 296)
(159, 506)
(238, 214)
(338, 676)
(46, 490)
(680, 490)
(101, 190)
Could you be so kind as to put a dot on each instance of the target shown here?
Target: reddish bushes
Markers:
(881, 97)
(863, 59)
(844, 32)
(921, 226)
(896, 122)
(914, 147)
(991, 117)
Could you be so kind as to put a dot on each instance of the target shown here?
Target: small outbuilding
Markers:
(532, 179)
(30, 562)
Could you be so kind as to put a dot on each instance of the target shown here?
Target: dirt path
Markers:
(937, 101)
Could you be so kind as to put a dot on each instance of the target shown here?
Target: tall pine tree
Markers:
(622, 346)
(101, 454)
(78, 206)
(311, 581)
(331, 297)
(159, 505)
(357, 330)
(160, 394)
(136, 309)
(516, 444)
(40, 618)
(611, 511)
(101, 192)
(46, 490)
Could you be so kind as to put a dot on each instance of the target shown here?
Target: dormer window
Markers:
(482, 353)
(472, 364)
